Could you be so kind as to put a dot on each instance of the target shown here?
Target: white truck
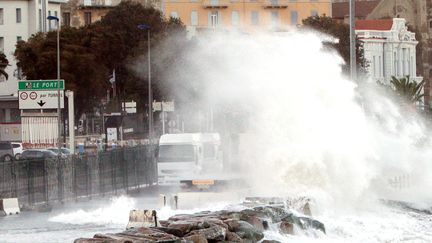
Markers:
(188, 157)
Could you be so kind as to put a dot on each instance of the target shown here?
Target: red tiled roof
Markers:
(374, 24)
(363, 8)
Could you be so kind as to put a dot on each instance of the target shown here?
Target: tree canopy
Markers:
(90, 54)
(3, 64)
(408, 90)
(340, 31)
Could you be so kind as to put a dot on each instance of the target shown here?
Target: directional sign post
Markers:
(42, 99)
(40, 94)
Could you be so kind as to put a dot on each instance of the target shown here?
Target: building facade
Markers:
(77, 13)
(389, 49)
(340, 9)
(244, 14)
(418, 14)
(19, 19)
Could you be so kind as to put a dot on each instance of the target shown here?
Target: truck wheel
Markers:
(17, 156)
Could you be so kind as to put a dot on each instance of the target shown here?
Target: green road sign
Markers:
(39, 84)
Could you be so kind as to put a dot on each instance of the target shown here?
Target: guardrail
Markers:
(50, 180)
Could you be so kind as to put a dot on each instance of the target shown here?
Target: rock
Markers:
(196, 239)
(304, 222)
(232, 224)
(306, 209)
(233, 237)
(286, 228)
(247, 231)
(184, 226)
(171, 231)
(270, 241)
(214, 233)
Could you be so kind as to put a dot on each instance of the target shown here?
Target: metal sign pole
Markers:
(353, 60)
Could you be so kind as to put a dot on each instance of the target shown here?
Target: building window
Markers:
(380, 67)
(174, 15)
(40, 20)
(294, 17)
(314, 13)
(274, 2)
(395, 64)
(1, 16)
(49, 21)
(254, 18)
(404, 58)
(235, 18)
(19, 38)
(2, 44)
(87, 18)
(18, 15)
(66, 19)
(274, 18)
(214, 2)
(214, 18)
(55, 13)
(194, 18)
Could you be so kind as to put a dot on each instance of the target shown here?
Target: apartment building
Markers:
(244, 14)
(77, 13)
(19, 19)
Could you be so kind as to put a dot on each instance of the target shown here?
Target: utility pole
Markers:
(353, 59)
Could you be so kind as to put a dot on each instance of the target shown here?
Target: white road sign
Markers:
(40, 99)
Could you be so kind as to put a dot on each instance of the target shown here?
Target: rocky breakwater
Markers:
(246, 225)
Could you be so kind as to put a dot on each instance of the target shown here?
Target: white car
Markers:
(17, 149)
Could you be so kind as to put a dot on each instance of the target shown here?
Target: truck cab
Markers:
(187, 156)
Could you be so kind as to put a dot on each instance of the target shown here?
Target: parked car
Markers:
(17, 150)
(38, 154)
(6, 151)
(65, 152)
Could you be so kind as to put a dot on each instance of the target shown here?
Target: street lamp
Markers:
(150, 93)
(60, 178)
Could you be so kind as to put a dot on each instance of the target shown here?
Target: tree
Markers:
(3, 64)
(408, 90)
(90, 54)
(340, 31)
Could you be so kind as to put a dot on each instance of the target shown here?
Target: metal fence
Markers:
(49, 180)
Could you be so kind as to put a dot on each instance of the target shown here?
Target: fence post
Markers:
(101, 179)
(45, 181)
(137, 184)
(14, 171)
(113, 174)
(29, 181)
(125, 172)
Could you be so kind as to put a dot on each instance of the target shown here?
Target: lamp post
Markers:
(58, 81)
(59, 168)
(353, 59)
(150, 93)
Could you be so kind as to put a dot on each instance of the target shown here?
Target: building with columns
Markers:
(389, 49)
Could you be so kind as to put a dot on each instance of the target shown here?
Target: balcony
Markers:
(215, 4)
(275, 4)
(98, 3)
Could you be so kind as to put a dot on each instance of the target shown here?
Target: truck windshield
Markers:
(176, 153)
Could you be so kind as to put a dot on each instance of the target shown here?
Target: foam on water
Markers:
(312, 131)
(114, 213)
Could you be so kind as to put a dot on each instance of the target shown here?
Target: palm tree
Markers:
(3, 64)
(410, 91)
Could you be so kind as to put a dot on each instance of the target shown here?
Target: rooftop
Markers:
(363, 8)
(374, 24)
